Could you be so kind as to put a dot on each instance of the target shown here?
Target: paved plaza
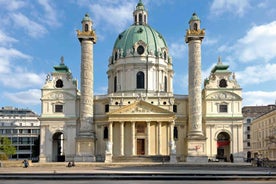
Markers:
(139, 171)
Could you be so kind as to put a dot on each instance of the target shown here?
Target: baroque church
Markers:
(140, 117)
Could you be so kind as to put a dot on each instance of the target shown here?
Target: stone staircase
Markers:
(141, 158)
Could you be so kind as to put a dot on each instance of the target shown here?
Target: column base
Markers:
(197, 159)
(173, 159)
(42, 159)
(108, 158)
(85, 147)
(196, 149)
(85, 158)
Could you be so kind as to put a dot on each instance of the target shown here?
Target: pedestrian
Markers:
(231, 158)
(25, 163)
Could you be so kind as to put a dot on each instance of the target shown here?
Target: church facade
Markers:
(140, 116)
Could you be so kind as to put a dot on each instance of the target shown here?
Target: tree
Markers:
(6, 146)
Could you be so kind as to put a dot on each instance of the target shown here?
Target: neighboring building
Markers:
(249, 114)
(140, 116)
(22, 127)
(263, 139)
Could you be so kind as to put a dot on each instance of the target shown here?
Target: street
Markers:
(128, 181)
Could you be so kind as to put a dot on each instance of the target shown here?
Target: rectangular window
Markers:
(58, 108)
(248, 136)
(248, 128)
(107, 108)
(248, 144)
(248, 121)
(223, 108)
(174, 108)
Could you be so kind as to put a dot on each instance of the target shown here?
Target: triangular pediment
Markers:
(141, 107)
(141, 111)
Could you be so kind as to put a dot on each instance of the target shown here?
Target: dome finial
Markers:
(219, 60)
(140, 14)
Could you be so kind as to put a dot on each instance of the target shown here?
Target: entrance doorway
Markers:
(58, 147)
(140, 146)
(223, 146)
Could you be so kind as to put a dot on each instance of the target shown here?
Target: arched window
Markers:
(195, 26)
(106, 108)
(165, 55)
(175, 133)
(140, 80)
(105, 136)
(116, 56)
(115, 84)
(86, 27)
(140, 19)
(165, 84)
(145, 18)
(223, 83)
(59, 83)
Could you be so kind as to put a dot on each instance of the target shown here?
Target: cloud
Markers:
(10, 53)
(22, 79)
(32, 28)
(6, 56)
(257, 74)
(113, 16)
(258, 43)
(177, 50)
(12, 5)
(258, 98)
(29, 97)
(50, 13)
(5, 39)
(101, 90)
(237, 7)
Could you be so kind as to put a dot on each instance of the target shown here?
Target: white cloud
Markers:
(12, 53)
(12, 5)
(5, 39)
(177, 50)
(29, 97)
(101, 90)
(33, 29)
(23, 79)
(257, 74)
(237, 7)
(114, 16)
(258, 43)
(209, 41)
(50, 12)
(8, 55)
(258, 98)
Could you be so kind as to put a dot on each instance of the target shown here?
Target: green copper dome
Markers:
(86, 18)
(194, 18)
(153, 40)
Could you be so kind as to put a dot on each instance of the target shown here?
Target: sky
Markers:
(34, 34)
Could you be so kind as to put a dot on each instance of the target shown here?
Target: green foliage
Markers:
(6, 147)
(3, 157)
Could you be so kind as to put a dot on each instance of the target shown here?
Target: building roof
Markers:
(256, 111)
(220, 67)
(61, 68)
(16, 111)
(153, 39)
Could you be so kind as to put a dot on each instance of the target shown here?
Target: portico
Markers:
(149, 132)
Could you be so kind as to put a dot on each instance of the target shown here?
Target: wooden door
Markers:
(140, 146)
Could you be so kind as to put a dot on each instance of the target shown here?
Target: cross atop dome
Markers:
(140, 14)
